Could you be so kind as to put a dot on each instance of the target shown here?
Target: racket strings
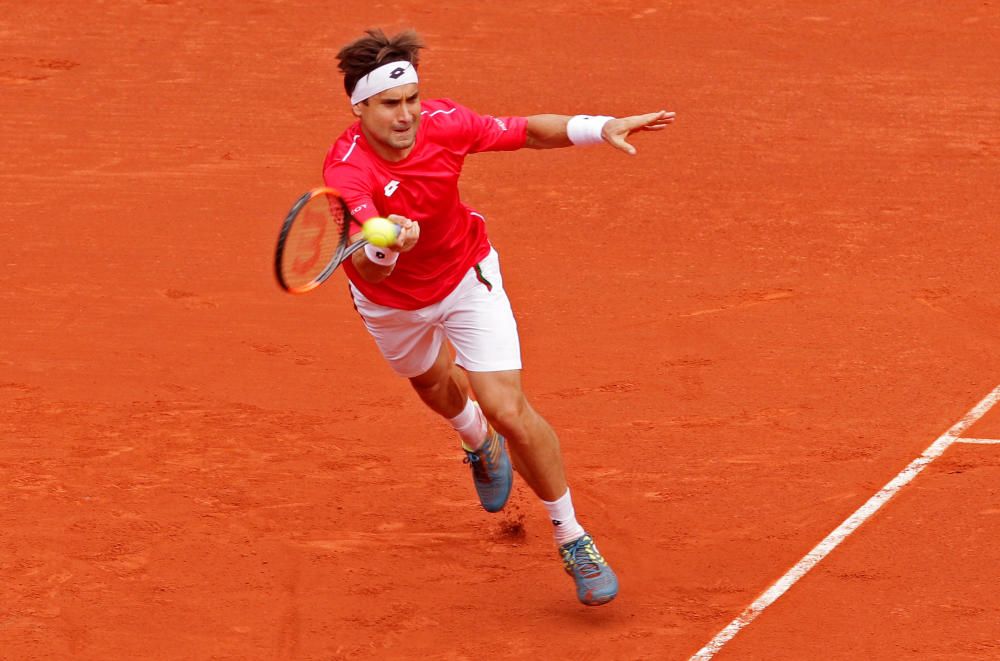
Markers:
(313, 241)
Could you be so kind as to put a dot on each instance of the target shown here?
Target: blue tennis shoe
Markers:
(491, 471)
(596, 583)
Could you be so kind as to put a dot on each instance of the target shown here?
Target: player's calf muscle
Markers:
(443, 397)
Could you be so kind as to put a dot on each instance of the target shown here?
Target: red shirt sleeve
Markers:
(351, 183)
(489, 133)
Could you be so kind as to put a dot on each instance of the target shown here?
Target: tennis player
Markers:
(439, 288)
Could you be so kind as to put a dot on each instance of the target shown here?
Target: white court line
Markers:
(832, 540)
(981, 441)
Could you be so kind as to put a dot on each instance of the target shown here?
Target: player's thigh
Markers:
(438, 373)
(479, 321)
(407, 339)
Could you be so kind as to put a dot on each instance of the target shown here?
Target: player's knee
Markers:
(434, 380)
(510, 417)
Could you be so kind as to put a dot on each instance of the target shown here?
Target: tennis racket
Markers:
(314, 241)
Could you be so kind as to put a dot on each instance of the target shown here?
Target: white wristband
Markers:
(586, 129)
(382, 256)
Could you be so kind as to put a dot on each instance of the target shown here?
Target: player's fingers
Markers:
(408, 236)
(619, 142)
(635, 121)
(649, 119)
(662, 123)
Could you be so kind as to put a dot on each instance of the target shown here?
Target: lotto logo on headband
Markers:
(387, 76)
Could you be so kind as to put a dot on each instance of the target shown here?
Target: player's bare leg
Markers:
(535, 449)
(445, 389)
(533, 443)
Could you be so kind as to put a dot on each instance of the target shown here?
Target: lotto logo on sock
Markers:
(556, 523)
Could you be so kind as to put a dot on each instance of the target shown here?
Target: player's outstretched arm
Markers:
(551, 131)
(547, 132)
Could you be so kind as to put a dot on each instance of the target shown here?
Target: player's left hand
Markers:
(616, 131)
(409, 233)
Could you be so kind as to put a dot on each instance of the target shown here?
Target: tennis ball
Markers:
(380, 232)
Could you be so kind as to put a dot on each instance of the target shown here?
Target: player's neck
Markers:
(384, 151)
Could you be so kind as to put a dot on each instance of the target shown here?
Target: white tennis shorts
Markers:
(476, 318)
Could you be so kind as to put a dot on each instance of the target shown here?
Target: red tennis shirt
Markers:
(423, 187)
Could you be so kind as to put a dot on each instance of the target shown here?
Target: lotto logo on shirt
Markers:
(391, 187)
(499, 122)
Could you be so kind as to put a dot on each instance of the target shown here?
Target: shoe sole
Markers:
(590, 600)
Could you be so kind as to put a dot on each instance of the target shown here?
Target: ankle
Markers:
(471, 426)
(565, 527)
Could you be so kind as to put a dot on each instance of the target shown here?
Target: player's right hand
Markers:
(409, 233)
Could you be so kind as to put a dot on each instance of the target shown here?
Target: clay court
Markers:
(196, 465)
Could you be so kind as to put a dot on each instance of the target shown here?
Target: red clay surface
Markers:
(987, 427)
(196, 466)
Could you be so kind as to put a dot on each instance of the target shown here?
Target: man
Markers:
(440, 284)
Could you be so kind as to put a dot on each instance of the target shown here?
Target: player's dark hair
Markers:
(364, 55)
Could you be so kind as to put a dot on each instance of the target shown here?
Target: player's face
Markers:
(390, 118)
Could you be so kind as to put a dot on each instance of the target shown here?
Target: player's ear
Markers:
(356, 109)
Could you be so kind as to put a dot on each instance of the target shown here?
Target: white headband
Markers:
(385, 77)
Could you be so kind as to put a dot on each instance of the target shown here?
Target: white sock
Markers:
(470, 425)
(565, 526)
